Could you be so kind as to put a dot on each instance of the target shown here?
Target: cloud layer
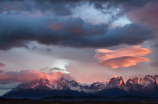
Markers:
(26, 75)
(67, 31)
(51, 23)
(59, 8)
(123, 57)
(68, 6)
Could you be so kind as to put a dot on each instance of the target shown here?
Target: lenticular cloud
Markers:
(123, 57)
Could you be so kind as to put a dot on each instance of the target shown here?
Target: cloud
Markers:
(104, 54)
(63, 30)
(8, 86)
(121, 7)
(123, 57)
(67, 31)
(1, 64)
(56, 69)
(146, 15)
(130, 4)
(26, 75)
(55, 26)
(68, 7)
(124, 61)
(58, 8)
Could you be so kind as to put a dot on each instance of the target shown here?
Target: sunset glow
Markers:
(123, 57)
(81, 42)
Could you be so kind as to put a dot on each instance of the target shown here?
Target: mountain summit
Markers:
(148, 86)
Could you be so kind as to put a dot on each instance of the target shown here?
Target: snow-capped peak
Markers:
(148, 83)
(43, 84)
(97, 85)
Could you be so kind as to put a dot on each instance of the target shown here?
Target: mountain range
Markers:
(38, 88)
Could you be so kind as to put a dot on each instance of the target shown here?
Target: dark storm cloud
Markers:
(118, 8)
(16, 31)
(66, 7)
(126, 4)
(58, 7)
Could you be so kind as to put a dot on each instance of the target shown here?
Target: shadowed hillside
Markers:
(25, 101)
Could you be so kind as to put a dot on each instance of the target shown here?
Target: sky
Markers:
(85, 40)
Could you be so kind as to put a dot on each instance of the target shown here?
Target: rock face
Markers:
(44, 87)
(97, 85)
(116, 83)
(147, 86)
(45, 84)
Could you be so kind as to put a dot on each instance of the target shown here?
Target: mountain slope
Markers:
(44, 87)
(148, 87)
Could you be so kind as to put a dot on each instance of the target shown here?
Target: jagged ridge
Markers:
(148, 86)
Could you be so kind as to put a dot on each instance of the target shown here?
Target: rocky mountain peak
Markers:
(116, 82)
(97, 85)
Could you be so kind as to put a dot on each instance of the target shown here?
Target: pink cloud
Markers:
(124, 61)
(1, 64)
(27, 75)
(123, 57)
(147, 15)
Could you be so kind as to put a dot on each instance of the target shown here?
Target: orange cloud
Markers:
(123, 57)
(27, 75)
(124, 61)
